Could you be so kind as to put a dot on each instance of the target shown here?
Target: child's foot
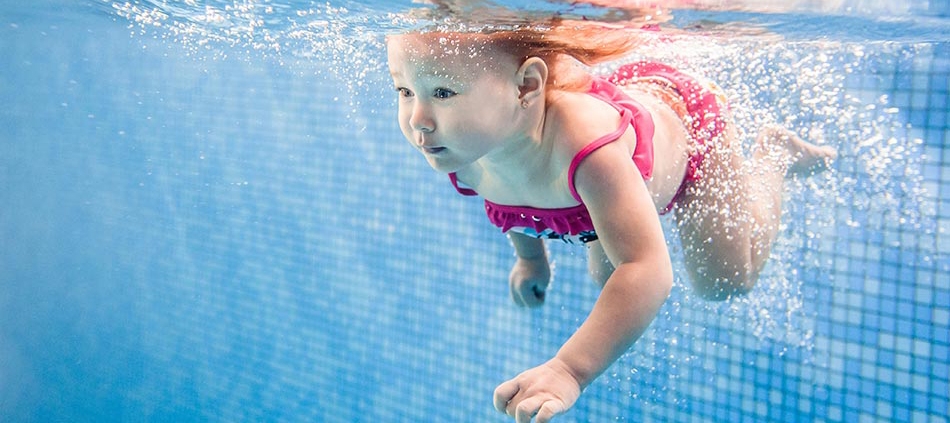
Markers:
(803, 157)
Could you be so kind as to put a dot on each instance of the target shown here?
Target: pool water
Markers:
(208, 213)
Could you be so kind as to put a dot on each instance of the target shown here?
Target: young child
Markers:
(514, 116)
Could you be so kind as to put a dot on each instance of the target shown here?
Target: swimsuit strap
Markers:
(632, 113)
(625, 119)
(464, 191)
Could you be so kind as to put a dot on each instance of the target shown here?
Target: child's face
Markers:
(457, 98)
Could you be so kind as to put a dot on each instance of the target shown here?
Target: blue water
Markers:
(218, 220)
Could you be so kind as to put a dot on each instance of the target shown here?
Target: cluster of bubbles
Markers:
(813, 87)
(340, 41)
(345, 37)
(801, 86)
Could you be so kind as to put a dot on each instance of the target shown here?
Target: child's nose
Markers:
(420, 120)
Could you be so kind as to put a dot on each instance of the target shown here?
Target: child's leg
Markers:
(729, 218)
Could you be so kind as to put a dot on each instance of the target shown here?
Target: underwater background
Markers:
(208, 213)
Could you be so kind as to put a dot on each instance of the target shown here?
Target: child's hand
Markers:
(542, 392)
(528, 280)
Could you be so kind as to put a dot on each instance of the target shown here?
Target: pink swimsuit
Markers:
(573, 224)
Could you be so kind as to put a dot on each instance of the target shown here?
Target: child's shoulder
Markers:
(575, 119)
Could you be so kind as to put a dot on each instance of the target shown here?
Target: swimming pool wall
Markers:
(198, 238)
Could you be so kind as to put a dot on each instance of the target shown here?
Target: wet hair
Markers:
(589, 43)
(561, 43)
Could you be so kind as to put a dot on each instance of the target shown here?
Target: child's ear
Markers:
(532, 76)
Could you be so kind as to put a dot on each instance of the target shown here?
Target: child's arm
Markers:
(531, 273)
(629, 229)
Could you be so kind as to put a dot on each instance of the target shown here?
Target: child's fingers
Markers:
(533, 293)
(538, 291)
(548, 410)
(528, 281)
(516, 295)
(526, 409)
(504, 393)
(527, 293)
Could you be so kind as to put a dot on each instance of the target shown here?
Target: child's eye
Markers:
(443, 93)
(404, 92)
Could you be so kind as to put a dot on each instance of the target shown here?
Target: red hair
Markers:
(587, 42)
(559, 42)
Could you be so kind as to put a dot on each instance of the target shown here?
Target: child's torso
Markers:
(574, 120)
